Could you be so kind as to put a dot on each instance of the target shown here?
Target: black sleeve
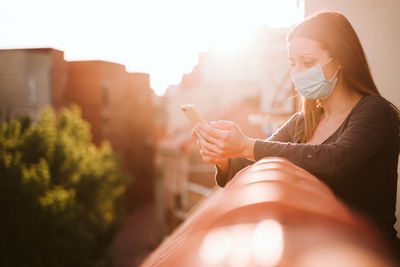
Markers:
(368, 130)
(283, 134)
(234, 166)
(286, 132)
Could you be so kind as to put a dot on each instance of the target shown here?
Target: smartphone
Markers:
(192, 114)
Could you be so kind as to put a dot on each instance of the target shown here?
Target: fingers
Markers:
(223, 125)
(194, 133)
(214, 140)
(195, 128)
(207, 139)
(208, 148)
(211, 131)
(208, 153)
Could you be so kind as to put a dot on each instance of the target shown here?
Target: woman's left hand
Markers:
(223, 140)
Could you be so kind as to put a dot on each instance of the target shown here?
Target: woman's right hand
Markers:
(222, 163)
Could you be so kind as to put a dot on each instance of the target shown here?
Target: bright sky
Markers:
(160, 37)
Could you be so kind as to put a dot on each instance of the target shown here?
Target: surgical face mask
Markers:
(312, 84)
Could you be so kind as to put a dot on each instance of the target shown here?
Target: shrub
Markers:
(61, 196)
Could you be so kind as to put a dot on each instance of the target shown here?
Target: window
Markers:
(104, 92)
(31, 90)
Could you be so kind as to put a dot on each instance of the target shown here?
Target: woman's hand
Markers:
(222, 140)
(220, 162)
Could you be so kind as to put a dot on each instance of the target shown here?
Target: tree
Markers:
(61, 196)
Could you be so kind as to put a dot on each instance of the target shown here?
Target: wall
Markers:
(141, 134)
(118, 105)
(260, 69)
(24, 82)
(59, 79)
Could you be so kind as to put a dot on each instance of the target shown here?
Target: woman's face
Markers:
(305, 53)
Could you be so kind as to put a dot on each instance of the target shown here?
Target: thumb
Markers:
(223, 125)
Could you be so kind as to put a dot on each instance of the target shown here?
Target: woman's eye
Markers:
(309, 63)
(292, 65)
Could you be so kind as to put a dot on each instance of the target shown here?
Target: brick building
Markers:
(31, 79)
(117, 104)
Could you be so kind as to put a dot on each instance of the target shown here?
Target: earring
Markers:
(319, 104)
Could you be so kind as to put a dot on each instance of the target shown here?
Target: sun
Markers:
(225, 26)
(236, 21)
(162, 38)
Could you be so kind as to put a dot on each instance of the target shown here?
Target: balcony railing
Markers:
(273, 213)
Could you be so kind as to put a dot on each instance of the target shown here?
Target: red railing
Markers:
(272, 213)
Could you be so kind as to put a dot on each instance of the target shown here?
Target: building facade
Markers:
(258, 70)
(31, 79)
(118, 105)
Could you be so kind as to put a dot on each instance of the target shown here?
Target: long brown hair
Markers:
(336, 35)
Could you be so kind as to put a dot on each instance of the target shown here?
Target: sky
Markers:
(159, 37)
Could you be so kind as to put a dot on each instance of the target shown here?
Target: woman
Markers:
(347, 135)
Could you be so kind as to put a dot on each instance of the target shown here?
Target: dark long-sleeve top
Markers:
(358, 161)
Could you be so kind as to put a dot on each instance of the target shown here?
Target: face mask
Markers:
(312, 84)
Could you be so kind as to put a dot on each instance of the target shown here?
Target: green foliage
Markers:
(60, 196)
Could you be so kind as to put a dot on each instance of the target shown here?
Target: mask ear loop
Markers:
(318, 101)
(337, 70)
(329, 60)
